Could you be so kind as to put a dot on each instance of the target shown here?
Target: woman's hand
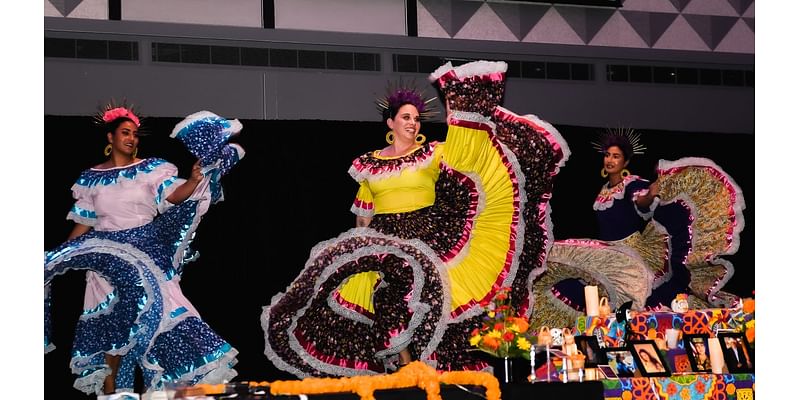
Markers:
(197, 173)
(185, 190)
(654, 188)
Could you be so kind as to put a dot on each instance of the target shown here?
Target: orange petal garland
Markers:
(415, 374)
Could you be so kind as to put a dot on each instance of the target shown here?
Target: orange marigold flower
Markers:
(672, 388)
(522, 324)
(749, 306)
(730, 389)
(750, 333)
(699, 387)
(491, 343)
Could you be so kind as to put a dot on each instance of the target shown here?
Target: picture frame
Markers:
(739, 356)
(648, 358)
(696, 346)
(621, 360)
(590, 347)
(608, 371)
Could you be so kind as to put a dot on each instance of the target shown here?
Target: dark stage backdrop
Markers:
(292, 190)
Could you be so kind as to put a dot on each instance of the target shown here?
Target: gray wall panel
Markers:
(160, 91)
(682, 108)
(364, 16)
(212, 12)
(75, 86)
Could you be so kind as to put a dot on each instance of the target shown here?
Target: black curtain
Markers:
(292, 190)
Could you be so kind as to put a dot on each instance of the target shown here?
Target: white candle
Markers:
(592, 301)
(715, 355)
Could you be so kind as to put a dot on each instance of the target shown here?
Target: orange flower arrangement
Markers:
(745, 319)
(415, 374)
(503, 333)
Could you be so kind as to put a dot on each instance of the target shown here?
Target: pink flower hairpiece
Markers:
(120, 112)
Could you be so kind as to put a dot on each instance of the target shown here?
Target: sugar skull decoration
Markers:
(558, 336)
(681, 303)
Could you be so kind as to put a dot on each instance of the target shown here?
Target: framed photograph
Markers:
(589, 346)
(739, 357)
(697, 350)
(608, 371)
(649, 359)
(620, 359)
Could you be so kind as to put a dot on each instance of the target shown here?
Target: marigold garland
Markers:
(415, 374)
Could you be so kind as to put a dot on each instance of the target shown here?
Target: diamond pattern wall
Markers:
(697, 25)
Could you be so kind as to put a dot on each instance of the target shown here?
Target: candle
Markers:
(592, 301)
(715, 355)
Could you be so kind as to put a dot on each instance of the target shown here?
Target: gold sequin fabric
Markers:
(716, 204)
(620, 274)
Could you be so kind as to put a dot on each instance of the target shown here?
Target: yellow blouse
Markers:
(408, 189)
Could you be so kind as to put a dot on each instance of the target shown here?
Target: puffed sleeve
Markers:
(163, 180)
(641, 187)
(363, 204)
(83, 211)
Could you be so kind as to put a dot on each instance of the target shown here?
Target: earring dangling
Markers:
(107, 150)
(625, 172)
(420, 139)
(390, 137)
(603, 173)
(135, 152)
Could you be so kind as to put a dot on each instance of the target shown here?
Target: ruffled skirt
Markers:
(417, 280)
(145, 318)
(697, 221)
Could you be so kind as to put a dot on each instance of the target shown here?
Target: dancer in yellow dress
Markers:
(441, 228)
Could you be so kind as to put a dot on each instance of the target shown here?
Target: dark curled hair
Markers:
(112, 126)
(620, 141)
(392, 111)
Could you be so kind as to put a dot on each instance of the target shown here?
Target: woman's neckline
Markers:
(120, 167)
(377, 153)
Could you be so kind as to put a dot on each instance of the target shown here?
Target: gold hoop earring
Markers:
(390, 137)
(625, 172)
(603, 173)
(420, 139)
(135, 152)
(107, 150)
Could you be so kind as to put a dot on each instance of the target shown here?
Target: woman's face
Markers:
(125, 138)
(645, 356)
(701, 347)
(406, 123)
(614, 160)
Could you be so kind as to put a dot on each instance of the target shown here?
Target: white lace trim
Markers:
(605, 202)
(551, 133)
(92, 383)
(419, 309)
(738, 204)
(472, 117)
(234, 129)
(362, 212)
(653, 205)
(436, 74)
(479, 68)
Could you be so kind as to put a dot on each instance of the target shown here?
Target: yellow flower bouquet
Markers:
(503, 333)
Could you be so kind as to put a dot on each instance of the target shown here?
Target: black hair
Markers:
(111, 126)
(620, 141)
(391, 111)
